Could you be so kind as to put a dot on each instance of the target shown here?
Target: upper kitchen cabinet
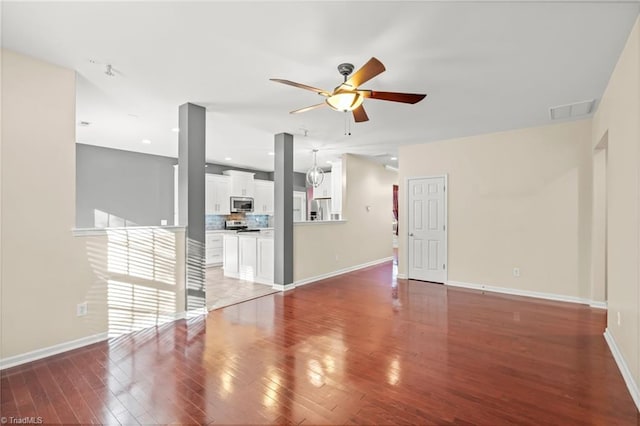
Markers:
(324, 190)
(241, 183)
(263, 197)
(218, 193)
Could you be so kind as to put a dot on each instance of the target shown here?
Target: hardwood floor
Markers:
(356, 349)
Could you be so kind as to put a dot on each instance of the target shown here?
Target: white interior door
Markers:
(427, 213)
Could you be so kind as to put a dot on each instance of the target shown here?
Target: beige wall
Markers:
(515, 199)
(365, 237)
(45, 270)
(618, 118)
(43, 273)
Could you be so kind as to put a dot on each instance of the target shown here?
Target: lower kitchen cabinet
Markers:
(249, 257)
(213, 249)
(264, 265)
(230, 256)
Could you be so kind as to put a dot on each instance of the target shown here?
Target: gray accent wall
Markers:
(217, 169)
(132, 186)
(135, 187)
(299, 180)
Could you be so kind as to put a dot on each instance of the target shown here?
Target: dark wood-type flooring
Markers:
(355, 349)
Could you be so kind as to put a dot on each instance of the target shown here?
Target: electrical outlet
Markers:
(82, 309)
(618, 318)
(516, 272)
(163, 222)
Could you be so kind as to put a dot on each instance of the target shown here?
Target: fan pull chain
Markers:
(347, 124)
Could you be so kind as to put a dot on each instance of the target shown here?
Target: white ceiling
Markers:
(486, 66)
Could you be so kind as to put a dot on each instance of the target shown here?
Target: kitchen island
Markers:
(249, 256)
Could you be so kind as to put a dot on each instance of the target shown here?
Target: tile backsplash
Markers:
(215, 221)
(258, 221)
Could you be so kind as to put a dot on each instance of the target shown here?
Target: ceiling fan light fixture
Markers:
(345, 101)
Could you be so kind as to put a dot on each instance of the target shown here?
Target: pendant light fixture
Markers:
(315, 175)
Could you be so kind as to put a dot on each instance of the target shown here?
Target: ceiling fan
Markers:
(348, 96)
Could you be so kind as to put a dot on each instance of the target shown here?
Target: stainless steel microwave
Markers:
(241, 204)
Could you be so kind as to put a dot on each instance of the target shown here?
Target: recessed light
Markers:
(272, 153)
(329, 162)
(175, 129)
(227, 158)
(394, 158)
(147, 141)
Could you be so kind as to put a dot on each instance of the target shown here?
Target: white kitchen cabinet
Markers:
(264, 260)
(263, 197)
(299, 206)
(241, 183)
(230, 255)
(213, 248)
(336, 187)
(324, 190)
(217, 194)
(247, 257)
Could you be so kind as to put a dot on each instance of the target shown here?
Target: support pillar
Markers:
(191, 197)
(283, 198)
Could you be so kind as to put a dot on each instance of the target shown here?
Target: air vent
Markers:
(577, 109)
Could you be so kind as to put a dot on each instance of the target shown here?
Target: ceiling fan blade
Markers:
(309, 108)
(407, 98)
(302, 86)
(360, 115)
(366, 73)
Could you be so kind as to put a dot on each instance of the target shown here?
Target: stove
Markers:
(235, 225)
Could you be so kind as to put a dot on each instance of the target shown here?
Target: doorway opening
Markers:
(599, 223)
(394, 225)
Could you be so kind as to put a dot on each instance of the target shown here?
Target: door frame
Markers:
(446, 221)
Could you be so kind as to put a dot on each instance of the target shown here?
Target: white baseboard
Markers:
(192, 313)
(598, 305)
(85, 341)
(632, 386)
(13, 361)
(284, 287)
(527, 293)
(341, 271)
(402, 276)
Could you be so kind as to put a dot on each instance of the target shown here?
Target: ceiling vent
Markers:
(577, 109)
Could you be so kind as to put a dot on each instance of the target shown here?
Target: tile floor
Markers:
(224, 291)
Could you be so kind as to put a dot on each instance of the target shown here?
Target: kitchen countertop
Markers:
(319, 222)
(262, 234)
(233, 231)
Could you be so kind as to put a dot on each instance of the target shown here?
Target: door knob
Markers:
(411, 234)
